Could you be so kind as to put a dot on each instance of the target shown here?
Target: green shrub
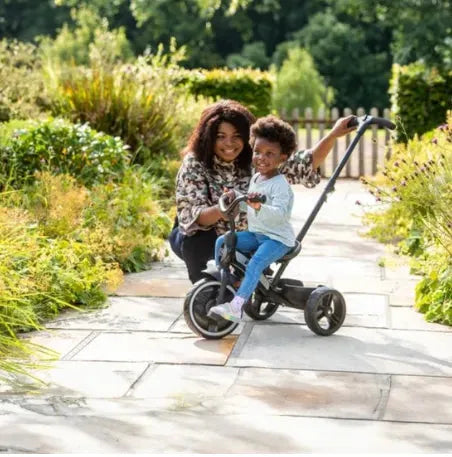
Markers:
(434, 291)
(126, 221)
(299, 84)
(22, 91)
(415, 188)
(61, 147)
(119, 222)
(253, 88)
(420, 98)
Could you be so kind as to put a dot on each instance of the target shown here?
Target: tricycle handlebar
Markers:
(229, 207)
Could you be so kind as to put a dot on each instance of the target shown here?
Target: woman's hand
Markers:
(340, 127)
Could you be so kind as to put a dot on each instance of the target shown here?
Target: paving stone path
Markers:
(133, 378)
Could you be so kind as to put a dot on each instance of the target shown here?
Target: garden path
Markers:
(133, 378)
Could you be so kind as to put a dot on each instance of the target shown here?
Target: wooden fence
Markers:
(370, 153)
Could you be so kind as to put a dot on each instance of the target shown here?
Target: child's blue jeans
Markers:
(267, 252)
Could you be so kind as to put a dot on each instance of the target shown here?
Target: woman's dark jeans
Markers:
(194, 250)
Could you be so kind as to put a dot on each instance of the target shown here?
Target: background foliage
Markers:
(353, 43)
(253, 88)
(421, 97)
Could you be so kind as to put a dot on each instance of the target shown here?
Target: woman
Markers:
(218, 156)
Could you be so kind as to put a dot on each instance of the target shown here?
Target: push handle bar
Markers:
(368, 120)
(226, 207)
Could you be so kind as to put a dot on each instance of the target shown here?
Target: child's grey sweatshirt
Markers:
(273, 217)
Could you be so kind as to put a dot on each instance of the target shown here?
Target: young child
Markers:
(269, 231)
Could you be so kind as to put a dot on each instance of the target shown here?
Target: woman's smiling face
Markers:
(228, 143)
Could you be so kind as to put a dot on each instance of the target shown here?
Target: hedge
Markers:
(420, 98)
(253, 88)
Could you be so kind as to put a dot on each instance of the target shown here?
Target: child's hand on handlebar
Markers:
(253, 204)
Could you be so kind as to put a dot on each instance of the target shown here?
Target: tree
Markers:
(421, 29)
(299, 84)
(342, 57)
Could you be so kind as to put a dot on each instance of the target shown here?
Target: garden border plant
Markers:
(415, 189)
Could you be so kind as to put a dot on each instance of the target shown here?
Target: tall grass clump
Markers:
(137, 102)
(415, 189)
(40, 276)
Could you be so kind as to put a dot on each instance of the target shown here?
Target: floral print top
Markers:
(198, 188)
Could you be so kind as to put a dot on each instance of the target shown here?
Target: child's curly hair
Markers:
(275, 130)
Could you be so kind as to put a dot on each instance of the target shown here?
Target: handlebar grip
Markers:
(223, 204)
(258, 199)
(382, 122)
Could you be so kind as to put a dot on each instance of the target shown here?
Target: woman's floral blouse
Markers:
(197, 187)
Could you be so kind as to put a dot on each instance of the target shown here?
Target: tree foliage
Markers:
(299, 84)
(353, 43)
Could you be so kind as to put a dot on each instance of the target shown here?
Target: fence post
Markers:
(387, 115)
(334, 118)
(361, 112)
(321, 125)
(308, 126)
(348, 166)
(374, 113)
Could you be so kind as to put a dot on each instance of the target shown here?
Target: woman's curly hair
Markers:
(203, 137)
(275, 130)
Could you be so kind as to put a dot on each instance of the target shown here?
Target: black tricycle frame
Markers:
(317, 302)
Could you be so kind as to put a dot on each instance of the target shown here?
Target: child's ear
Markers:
(284, 157)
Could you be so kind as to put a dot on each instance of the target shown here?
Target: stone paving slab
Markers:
(99, 379)
(156, 347)
(232, 391)
(337, 241)
(399, 291)
(61, 341)
(125, 313)
(427, 398)
(408, 318)
(155, 287)
(315, 268)
(175, 432)
(350, 349)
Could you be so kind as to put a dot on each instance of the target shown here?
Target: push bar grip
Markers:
(380, 121)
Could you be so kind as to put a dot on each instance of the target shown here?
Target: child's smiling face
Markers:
(267, 157)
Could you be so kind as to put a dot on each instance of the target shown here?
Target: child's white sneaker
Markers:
(226, 311)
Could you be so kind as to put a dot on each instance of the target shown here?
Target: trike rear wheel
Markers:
(325, 311)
